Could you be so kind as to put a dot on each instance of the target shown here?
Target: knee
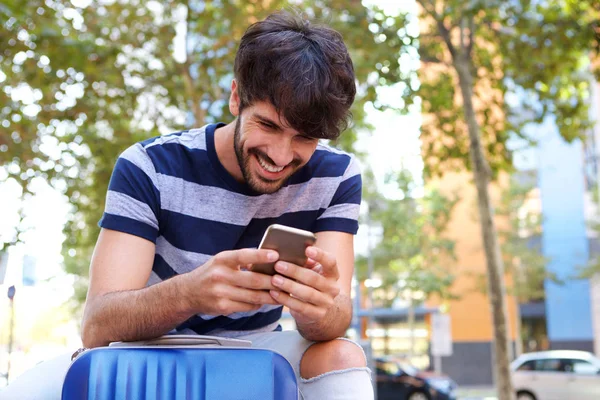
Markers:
(334, 355)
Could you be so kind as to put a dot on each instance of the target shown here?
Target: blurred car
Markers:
(402, 381)
(556, 375)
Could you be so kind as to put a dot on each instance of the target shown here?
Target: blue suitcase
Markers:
(180, 372)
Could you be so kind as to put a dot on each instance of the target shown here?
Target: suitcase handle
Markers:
(186, 340)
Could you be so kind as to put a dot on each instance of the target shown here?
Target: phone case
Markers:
(290, 243)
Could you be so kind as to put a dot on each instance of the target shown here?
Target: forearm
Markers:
(334, 324)
(135, 314)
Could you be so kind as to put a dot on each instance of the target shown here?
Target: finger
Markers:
(310, 263)
(252, 297)
(305, 293)
(313, 265)
(326, 259)
(228, 307)
(235, 258)
(307, 277)
(252, 280)
(295, 305)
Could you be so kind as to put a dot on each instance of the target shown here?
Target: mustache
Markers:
(294, 163)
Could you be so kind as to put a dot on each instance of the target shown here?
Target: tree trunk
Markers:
(496, 287)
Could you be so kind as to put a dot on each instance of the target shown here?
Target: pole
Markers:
(370, 300)
(411, 326)
(11, 296)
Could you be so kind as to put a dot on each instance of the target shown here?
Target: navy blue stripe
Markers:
(129, 179)
(252, 322)
(323, 164)
(162, 268)
(348, 192)
(337, 224)
(128, 225)
(210, 237)
(199, 235)
(257, 227)
(192, 165)
(153, 139)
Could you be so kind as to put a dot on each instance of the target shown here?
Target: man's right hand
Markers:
(223, 286)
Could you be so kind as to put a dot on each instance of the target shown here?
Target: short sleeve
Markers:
(343, 210)
(133, 199)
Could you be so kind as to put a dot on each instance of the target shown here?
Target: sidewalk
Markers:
(476, 393)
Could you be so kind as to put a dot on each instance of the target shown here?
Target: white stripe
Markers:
(153, 279)
(180, 260)
(126, 206)
(350, 211)
(138, 156)
(192, 139)
(326, 147)
(221, 205)
(353, 169)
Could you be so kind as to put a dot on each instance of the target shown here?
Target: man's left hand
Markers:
(308, 291)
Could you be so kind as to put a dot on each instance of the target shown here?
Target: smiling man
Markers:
(185, 214)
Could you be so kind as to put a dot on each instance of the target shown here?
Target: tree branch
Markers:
(471, 34)
(462, 33)
(433, 60)
(444, 31)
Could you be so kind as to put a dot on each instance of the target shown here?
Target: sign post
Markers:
(441, 339)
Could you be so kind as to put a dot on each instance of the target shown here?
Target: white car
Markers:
(556, 375)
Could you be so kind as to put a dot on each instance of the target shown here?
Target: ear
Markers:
(234, 99)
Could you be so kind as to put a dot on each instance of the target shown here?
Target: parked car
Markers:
(556, 375)
(402, 381)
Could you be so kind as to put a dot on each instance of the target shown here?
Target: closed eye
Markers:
(306, 138)
(268, 126)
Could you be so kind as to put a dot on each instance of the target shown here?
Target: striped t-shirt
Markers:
(173, 191)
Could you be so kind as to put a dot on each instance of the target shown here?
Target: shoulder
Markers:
(328, 161)
(167, 153)
(193, 139)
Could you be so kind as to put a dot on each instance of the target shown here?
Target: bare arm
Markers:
(120, 308)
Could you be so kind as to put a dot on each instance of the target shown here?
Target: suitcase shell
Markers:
(169, 373)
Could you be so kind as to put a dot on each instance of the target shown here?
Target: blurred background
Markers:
(440, 83)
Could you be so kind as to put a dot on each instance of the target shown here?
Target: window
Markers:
(582, 367)
(550, 365)
(527, 366)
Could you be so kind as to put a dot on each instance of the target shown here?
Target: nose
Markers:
(281, 152)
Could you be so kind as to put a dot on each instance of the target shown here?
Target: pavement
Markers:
(476, 393)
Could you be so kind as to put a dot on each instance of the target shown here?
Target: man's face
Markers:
(267, 149)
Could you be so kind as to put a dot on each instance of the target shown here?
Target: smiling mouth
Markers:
(269, 167)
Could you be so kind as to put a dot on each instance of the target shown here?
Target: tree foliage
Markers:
(413, 255)
(80, 81)
(521, 244)
(527, 60)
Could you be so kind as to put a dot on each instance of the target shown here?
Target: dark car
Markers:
(400, 381)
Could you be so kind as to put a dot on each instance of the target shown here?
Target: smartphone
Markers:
(290, 243)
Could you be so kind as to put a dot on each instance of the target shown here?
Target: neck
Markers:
(224, 137)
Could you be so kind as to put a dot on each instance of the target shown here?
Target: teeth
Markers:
(269, 167)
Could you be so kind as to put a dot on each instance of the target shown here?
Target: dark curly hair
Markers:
(304, 70)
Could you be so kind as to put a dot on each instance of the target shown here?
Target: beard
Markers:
(256, 182)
